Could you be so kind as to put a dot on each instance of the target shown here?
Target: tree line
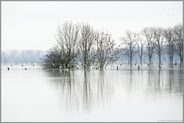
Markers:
(17, 57)
(81, 44)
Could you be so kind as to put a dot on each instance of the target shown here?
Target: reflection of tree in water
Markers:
(155, 81)
(165, 81)
(104, 88)
(80, 89)
(170, 81)
(63, 81)
(159, 82)
(178, 81)
(130, 81)
(83, 90)
(87, 94)
(101, 85)
(173, 81)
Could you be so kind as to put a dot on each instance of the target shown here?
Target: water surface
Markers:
(109, 95)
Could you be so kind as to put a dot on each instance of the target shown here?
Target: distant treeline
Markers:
(30, 57)
(80, 44)
(14, 57)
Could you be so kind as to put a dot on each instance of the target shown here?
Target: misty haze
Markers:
(92, 61)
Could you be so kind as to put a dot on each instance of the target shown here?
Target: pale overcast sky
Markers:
(32, 25)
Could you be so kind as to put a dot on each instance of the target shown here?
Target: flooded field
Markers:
(109, 95)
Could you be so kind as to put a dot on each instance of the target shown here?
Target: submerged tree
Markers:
(159, 44)
(130, 45)
(140, 45)
(148, 34)
(85, 46)
(107, 52)
(67, 37)
(64, 54)
(53, 59)
(178, 37)
(82, 44)
(169, 36)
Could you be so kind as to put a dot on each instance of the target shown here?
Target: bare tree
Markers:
(159, 43)
(178, 37)
(107, 52)
(85, 46)
(67, 37)
(140, 45)
(169, 36)
(130, 45)
(53, 59)
(149, 37)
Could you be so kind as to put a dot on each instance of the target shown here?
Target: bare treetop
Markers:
(130, 42)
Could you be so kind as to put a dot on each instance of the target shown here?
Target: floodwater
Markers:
(109, 95)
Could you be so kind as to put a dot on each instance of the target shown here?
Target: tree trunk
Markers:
(171, 61)
(159, 55)
(130, 62)
(150, 58)
(141, 60)
(181, 59)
